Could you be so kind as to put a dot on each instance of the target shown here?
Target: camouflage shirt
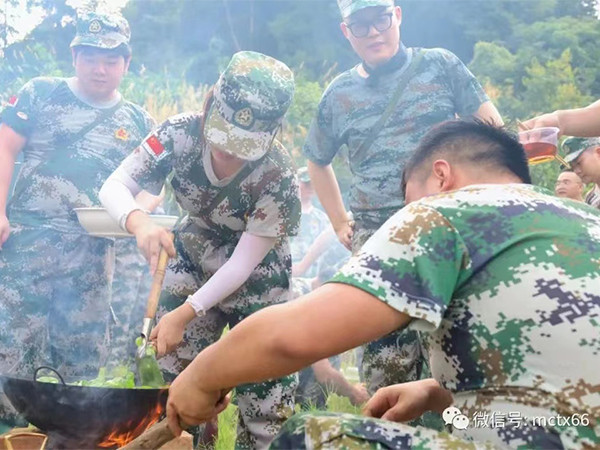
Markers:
(593, 197)
(505, 281)
(441, 88)
(265, 203)
(61, 169)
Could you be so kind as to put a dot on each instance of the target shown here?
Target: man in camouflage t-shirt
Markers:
(500, 276)
(435, 86)
(73, 132)
(583, 154)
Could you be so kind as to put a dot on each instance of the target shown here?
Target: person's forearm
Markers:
(326, 186)
(248, 253)
(117, 195)
(488, 112)
(332, 378)
(282, 339)
(439, 397)
(318, 247)
(583, 122)
(148, 201)
(7, 163)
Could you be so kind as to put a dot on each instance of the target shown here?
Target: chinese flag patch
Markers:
(12, 101)
(154, 144)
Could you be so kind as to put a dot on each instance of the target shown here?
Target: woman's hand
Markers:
(150, 237)
(168, 334)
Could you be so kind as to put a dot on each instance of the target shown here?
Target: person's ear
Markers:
(127, 62)
(398, 14)
(73, 55)
(345, 30)
(443, 175)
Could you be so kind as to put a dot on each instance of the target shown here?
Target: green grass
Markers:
(335, 403)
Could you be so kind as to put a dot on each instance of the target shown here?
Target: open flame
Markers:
(119, 438)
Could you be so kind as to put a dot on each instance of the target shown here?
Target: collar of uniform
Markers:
(395, 63)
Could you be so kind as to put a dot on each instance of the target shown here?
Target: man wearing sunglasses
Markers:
(380, 109)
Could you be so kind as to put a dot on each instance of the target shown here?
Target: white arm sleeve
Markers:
(117, 195)
(248, 253)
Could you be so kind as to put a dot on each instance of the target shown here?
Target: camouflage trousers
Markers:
(395, 358)
(347, 431)
(130, 287)
(262, 407)
(54, 305)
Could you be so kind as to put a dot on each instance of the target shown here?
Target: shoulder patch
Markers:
(153, 146)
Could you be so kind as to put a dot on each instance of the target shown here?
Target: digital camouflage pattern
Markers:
(130, 287)
(101, 30)
(349, 7)
(312, 223)
(53, 276)
(58, 175)
(593, 197)
(323, 430)
(250, 99)
(575, 146)
(441, 88)
(265, 203)
(503, 283)
(54, 307)
(350, 106)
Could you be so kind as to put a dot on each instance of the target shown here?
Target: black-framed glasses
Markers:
(360, 29)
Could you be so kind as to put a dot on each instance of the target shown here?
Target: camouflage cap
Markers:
(101, 31)
(349, 7)
(250, 99)
(573, 147)
(303, 175)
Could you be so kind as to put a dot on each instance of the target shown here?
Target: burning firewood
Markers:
(156, 436)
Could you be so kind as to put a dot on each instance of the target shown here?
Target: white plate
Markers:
(97, 222)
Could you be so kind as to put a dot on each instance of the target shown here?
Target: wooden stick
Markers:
(157, 282)
(522, 125)
(154, 437)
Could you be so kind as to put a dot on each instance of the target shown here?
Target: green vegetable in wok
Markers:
(118, 377)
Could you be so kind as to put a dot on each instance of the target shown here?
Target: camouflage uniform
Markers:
(130, 287)
(323, 430)
(53, 279)
(593, 197)
(265, 203)
(441, 88)
(503, 280)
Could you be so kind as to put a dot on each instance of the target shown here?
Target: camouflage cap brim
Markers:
(575, 146)
(571, 157)
(349, 7)
(248, 145)
(107, 41)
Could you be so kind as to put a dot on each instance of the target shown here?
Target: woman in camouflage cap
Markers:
(231, 255)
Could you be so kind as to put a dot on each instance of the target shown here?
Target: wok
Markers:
(81, 415)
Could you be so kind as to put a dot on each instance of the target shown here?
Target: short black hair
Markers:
(474, 142)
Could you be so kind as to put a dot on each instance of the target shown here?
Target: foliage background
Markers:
(532, 56)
